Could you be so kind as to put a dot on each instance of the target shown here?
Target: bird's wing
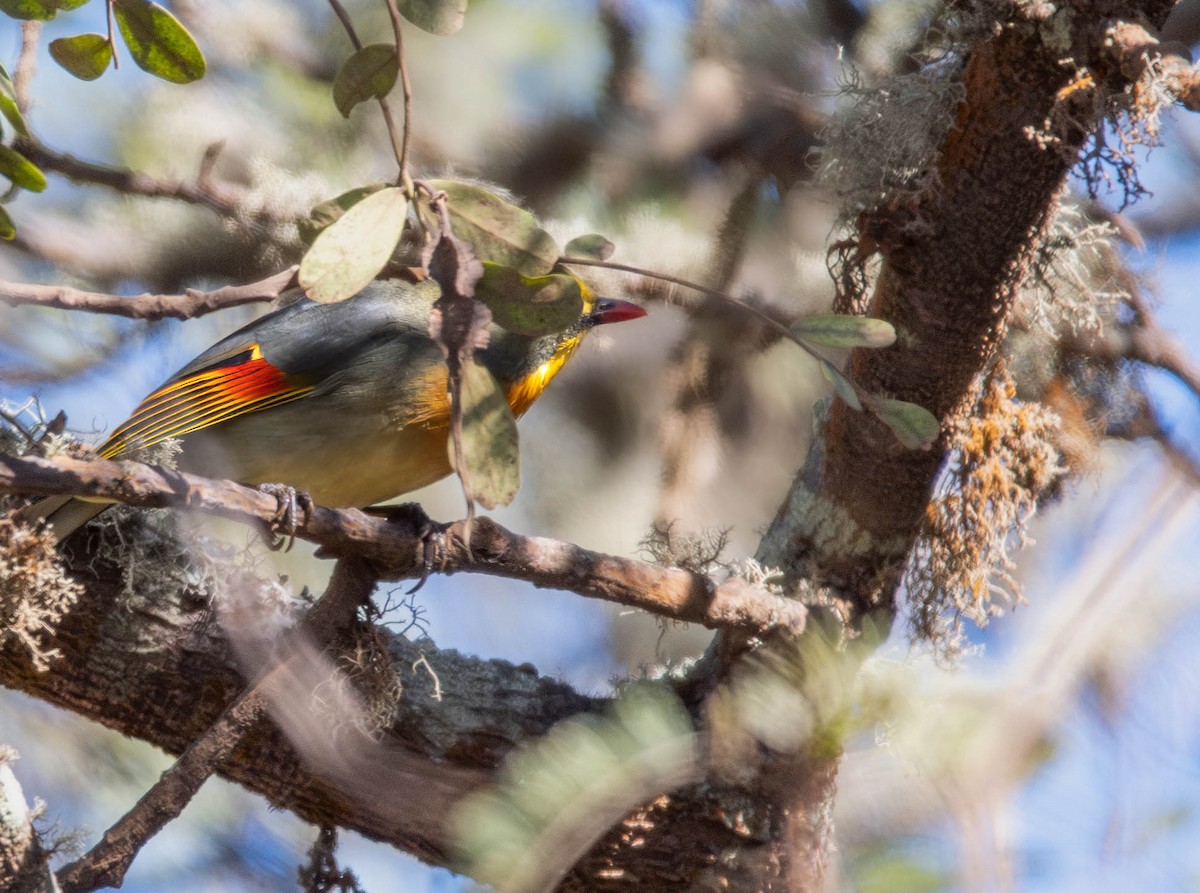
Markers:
(283, 356)
(205, 394)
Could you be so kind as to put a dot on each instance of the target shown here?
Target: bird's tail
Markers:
(62, 514)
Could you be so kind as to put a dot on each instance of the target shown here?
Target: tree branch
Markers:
(189, 305)
(105, 864)
(223, 201)
(398, 550)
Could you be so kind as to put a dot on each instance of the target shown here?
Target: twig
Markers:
(26, 64)
(106, 864)
(406, 90)
(222, 201)
(112, 37)
(189, 305)
(1138, 52)
(399, 146)
(398, 549)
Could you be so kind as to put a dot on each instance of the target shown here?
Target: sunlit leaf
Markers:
(593, 246)
(844, 332)
(7, 229)
(84, 55)
(67, 5)
(29, 10)
(841, 385)
(8, 104)
(489, 438)
(531, 306)
(368, 74)
(435, 16)
(914, 426)
(324, 214)
(158, 43)
(352, 251)
(21, 170)
(500, 231)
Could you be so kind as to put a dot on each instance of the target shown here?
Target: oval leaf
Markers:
(29, 10)
(368, 74)
(844, 332)
(536, 306)
(352, 251)
(435, 16)
(7, 230)
(85, 55)
(914, 426)
(489, 438)
(331, 210)
(841, 385)
(158, 43)
(66, 5)
(500, 231)
(8, 104)
(21, 170)
(593, 246)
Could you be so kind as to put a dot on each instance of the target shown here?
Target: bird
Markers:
(345, 402)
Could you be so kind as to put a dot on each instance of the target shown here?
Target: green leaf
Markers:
(21, 170)
(352, 251)
(841, 385)
(7, 229)
(489, 439)
(593, 246)
(68, 5)
(85, 55)
(435, 16)
(368, 74)
(158, 43)
(914, 426)
(29, 10)
(8, 104)
(500, 231)
(844, 332)
(531, 306)
(331, 210)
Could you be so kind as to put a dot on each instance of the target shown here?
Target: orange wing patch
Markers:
(243, 383)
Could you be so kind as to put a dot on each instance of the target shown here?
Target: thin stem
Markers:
(112, 39)
(344, 18)
(406, 90)
(26, 62)
(399, 146)
(771, 323)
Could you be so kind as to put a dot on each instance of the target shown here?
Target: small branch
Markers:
(191, 304)
(106, 864)
(1138, 52)
(406, 89)
(220, 200)
(399, 146)
(398, 549)
(26, 64)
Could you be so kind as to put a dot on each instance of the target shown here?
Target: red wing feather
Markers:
(243, 383)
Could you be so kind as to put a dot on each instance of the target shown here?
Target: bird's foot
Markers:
(430, 535)
(282, 529)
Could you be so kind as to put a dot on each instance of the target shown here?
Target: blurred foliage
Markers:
(689, 136)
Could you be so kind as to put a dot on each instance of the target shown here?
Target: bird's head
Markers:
(524, 366)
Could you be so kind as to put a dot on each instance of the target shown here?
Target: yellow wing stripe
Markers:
(242, 384)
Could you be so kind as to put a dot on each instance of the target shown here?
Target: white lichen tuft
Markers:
(35, 591)
(1076, 280)
(885, 138)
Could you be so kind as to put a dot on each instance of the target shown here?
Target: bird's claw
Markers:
(433, 550)
(282, 529)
